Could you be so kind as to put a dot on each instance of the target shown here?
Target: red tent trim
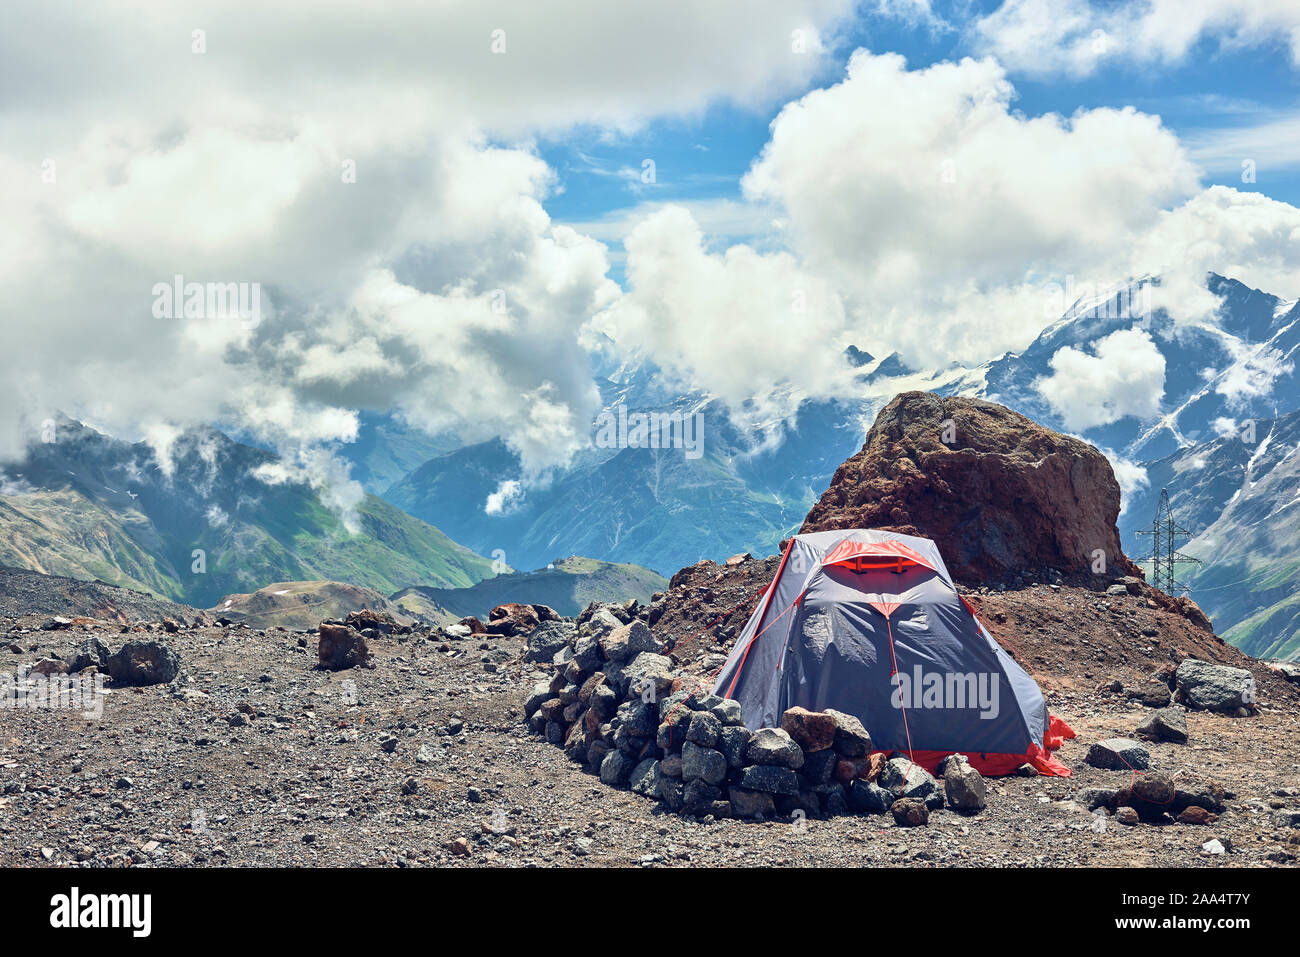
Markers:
(887, 554)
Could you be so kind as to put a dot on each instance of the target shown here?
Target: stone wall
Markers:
(616, 706)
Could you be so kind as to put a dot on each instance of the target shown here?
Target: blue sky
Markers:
(1219, 101)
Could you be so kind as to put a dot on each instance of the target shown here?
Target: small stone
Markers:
(811, 730)
(1165, 724)
(704, 729)
(751, 804)
(1196, 815)
(774, 746)
(963, 786)
(1126, 815)
(1118, 754)
(910, 812)
(705, 764)
(770, 778)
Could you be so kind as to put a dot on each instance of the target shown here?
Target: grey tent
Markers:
(870, 623)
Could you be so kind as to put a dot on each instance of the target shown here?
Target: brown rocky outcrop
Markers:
(999, 494)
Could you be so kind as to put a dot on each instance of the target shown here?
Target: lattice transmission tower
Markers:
(1166, 535)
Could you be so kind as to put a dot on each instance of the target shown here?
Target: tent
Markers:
(870, 623)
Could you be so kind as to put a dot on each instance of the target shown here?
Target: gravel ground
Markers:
(262, 760)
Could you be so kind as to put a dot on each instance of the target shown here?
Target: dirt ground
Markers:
(255, 758)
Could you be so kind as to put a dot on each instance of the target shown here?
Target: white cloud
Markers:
(1124, 376)
(1246, 236)
(1076, 37)
(508, 496)
(1224, 427)
(740, 324)
(229, 166)
(940, 213)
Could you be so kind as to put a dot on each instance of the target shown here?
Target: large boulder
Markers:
(143, 663)
(750, 804)
(1211, 687)
(644, 779)
(703, 764)
(645, 671)
(869, 797)
(380, 621)
(615, 768)
(997, 493)
(340, 647)
(1151, 795)
(770, 779)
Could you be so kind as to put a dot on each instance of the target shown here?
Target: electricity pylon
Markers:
(1165, 533)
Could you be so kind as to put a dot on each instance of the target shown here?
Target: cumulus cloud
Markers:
(1247, 236)
(940, 213)
(752, 328)
(1076, 37)
(1125, 375)
(371, 170)
(508, 496)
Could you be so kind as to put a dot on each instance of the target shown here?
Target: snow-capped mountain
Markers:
(203, 519)
(1239, 496)
(1238, 367)
(1146, 387)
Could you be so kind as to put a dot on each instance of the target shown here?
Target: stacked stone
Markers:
(615, 705)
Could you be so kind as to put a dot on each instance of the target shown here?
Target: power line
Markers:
(1165, 535)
